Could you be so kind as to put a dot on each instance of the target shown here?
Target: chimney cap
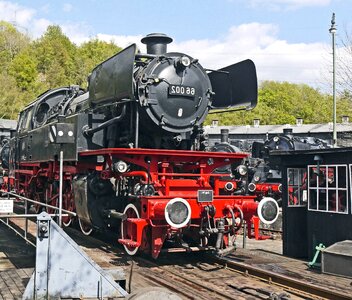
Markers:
(256, 122)
(299, 121)
(153, 37)
(345, 119)
(214, 122)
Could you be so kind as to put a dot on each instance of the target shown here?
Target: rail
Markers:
(282, 280)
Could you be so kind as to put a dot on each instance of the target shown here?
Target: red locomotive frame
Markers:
(173, 174)
(145, 227)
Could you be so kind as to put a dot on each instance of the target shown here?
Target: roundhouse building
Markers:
(244, 136)
(7, 128)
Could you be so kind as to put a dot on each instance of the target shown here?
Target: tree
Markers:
(11, 43)
(57, 58)
(92, 53)
(344, 63)
(282, 103)
(12, 99)
(29, 68)
(24, 69)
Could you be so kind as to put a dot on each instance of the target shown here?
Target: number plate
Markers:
(205, 196)
(182, 90)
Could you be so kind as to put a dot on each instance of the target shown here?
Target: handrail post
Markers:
(60, 187)
(26, 220)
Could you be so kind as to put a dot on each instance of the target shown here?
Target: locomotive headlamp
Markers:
(256, 178)
(182, 62)
(120, 166)
(185, 61)
(276, 139)
(268, 210)
(242, 170)
(177, 213)
(252, 187)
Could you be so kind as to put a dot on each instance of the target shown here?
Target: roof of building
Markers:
(277, 129)
(8, 124)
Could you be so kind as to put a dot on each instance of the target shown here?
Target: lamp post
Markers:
(333, 30)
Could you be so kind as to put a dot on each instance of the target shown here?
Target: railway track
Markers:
(198, 275)
(291, 284)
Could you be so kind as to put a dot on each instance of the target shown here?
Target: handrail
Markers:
(41, 203)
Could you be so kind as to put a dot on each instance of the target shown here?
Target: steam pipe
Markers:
(144, 55)
(136, 137)
(90, 131)
(136, 174)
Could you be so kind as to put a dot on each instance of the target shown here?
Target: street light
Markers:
(333, 30)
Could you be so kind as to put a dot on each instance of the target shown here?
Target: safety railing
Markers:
(59, 213)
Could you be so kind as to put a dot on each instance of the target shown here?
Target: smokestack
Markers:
(256, 123)
(156, 43)
(288, 131)
(214, 123)
(299, 121)
(345, 119)
(224, 135)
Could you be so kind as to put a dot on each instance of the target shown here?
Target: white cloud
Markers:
(121, 40)
(77, 32)
(38, 27)
(15, 13)
(287, 4)
(26, 21)
(275, 58)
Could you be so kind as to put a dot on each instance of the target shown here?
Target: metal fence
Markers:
(59, 213)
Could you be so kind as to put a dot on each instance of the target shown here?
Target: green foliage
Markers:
(282, 103)
(11, 43)
(31, 67)
(92, 53)
(56, 56)
(24, 69)
(11, 98)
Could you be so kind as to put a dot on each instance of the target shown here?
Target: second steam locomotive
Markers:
(135, 156)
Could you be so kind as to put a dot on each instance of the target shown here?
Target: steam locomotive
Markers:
(264, 170)
(134, 152)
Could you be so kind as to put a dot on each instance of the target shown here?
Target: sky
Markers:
(288, 40)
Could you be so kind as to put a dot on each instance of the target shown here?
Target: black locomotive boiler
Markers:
(265, 169)
(133, 151)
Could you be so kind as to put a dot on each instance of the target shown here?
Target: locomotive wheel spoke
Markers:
(128, 230)
(86, 228)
